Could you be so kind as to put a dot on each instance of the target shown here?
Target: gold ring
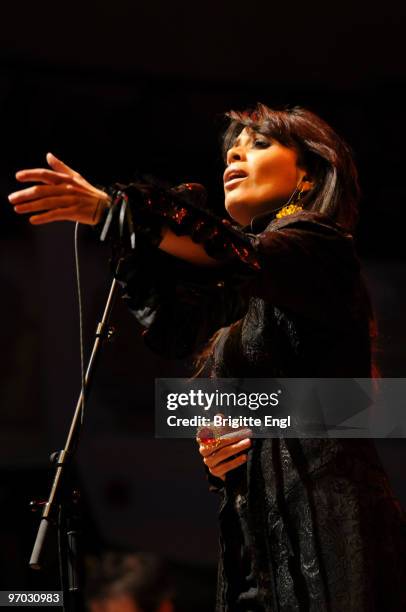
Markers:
(211, 445)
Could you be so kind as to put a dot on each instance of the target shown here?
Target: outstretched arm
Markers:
(62, 194)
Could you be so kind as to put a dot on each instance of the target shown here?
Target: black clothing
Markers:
(315, 518)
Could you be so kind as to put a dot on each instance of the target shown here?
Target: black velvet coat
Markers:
(307, 524)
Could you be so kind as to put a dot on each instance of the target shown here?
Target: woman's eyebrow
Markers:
(237, 141)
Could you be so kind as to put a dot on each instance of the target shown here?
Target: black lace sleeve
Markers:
(179, 305)
(144, 209)
(303, 263)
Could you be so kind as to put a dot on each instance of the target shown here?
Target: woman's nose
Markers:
(235, 154)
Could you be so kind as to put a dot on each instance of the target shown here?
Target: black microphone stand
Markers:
(62, 507)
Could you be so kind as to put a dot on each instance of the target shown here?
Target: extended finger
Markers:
(41, 191)
(59, 165)
(59, 214)
(42, 175)
(226, 452)
(222, 469)
(47, 204)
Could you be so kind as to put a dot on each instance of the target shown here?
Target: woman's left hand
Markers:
(61, 194)
(229, 454)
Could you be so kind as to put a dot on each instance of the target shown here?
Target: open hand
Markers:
(61, 194)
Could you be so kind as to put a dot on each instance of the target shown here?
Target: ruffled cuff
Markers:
(178, 309)
(144, 209)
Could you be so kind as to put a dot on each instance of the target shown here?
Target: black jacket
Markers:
(314, 518)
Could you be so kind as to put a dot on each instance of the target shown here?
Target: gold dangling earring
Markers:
(291, 207)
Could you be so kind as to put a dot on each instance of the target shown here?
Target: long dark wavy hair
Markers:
(321, 152)
(327, 159)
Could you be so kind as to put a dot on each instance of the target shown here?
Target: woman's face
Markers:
(261, 176)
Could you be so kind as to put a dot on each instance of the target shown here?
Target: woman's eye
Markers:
(261, 143)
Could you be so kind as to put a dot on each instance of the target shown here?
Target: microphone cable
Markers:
(80, 309)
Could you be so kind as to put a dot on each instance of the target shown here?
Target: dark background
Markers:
(125, 87)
